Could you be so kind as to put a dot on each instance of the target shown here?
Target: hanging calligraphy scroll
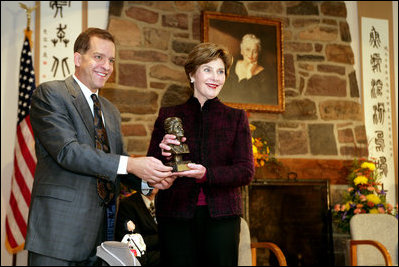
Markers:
(377, 99)
(59, 24)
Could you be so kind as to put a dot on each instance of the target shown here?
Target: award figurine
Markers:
(174, 125)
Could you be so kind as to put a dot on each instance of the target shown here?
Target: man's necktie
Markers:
(105, 189)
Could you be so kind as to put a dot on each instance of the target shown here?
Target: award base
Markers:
(179, 166)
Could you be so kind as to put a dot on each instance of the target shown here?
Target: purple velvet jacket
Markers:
(219, 138)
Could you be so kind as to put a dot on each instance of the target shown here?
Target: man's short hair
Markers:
(82, 43)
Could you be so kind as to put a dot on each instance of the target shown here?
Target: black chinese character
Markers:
(379, 113)
(374, 38)
(60, 36)
(59, 5)
(64, 63)
(382, 166)
(375, 61)
(376, 88)
(379, 141)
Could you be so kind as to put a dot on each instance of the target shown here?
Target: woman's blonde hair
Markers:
(204, 53)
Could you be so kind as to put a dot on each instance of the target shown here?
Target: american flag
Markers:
(24, 156)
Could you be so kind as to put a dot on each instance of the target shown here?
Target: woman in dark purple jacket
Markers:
(198, 215)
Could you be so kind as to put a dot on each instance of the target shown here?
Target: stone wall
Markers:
(323, 120)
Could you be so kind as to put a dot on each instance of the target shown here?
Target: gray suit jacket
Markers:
(65, 212)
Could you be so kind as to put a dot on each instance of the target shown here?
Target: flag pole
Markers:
(28, 11)
(28, 34)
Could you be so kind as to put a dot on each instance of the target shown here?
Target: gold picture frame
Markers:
(264, 90)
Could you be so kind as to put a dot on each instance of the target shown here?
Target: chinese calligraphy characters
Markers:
(62, 22)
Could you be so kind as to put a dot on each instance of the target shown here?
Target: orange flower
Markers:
(370, 188)
(357, 211)
(390, 207)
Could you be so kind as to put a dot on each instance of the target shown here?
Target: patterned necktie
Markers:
(105, 189)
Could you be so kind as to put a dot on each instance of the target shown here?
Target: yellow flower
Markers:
(347, 205)
(368, 165)
(254, 149)
(373, 198)
(360, 180)
(374, 211)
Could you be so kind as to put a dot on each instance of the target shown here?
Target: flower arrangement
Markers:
(365, 195)
(261, 150)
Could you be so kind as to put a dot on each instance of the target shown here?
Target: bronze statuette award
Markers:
(174, 125)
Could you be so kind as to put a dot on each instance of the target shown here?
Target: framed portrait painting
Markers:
(256, 81)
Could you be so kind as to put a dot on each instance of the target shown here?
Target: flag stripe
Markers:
(23, 167)
(14, 228)
(27, 132)
(22, 206)
(10, 236)
(25, 151)
(19, 219)
(22, 209)
(19, 178)
(29, 126)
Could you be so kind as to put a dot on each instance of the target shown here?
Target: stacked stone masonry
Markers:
(323, 117)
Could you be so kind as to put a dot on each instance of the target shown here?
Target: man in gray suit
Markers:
(67, 217)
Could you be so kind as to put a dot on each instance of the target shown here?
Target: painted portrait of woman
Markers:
(256, 78)
(250, 82)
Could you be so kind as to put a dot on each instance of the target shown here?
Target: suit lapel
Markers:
(80, 103)
(83, 108)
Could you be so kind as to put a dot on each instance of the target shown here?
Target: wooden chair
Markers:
(374, 240)
(378, 245)
(247, 249)
(269, 245)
